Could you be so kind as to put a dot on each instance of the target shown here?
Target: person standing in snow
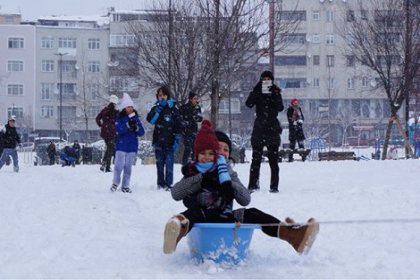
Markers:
(129, 128)
(165, 117)
(202, 196)
(11, 140)
(190, 115)
(295, 118)
(266, 97)
(106, 121)
(51, 151)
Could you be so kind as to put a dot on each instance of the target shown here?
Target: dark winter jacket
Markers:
(10, 137)
(295, 118)
(190, 116)
(106, 121)
(205, 190)
(127, 140)
(167, 124)
(266, 126)
(51, 150)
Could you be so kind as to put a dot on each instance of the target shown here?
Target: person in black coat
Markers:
(190, 115)
(267, 99)
(295, 118)
(10, 140)
(166, 134)
(51, 151)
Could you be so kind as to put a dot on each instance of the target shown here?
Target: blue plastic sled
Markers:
(221, 243)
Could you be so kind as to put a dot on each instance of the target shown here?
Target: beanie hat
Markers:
(191, 95)
(126, 101)
(113, 99)
(293, 101)
(222, 137)
(206, 139)
(268, 74)
(12, 118)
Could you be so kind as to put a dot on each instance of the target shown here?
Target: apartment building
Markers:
(335, 90)
(71, 74)
(17, 71)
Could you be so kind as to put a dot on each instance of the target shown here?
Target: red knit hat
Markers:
(293, 101)
(206, 139)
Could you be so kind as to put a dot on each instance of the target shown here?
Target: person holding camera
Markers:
(267, 99)
(295, 118)
(129, 128)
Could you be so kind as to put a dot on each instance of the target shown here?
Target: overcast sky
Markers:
(32, 9)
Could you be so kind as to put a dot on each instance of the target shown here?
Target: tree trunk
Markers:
(408, 151)
(387, 136)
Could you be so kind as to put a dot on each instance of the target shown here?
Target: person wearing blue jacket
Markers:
(129, 128)
(165, 116)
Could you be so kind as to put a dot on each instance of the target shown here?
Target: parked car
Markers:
(59, 143)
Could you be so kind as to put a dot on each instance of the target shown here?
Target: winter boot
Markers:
(114, 188)
(126, 190)
(301, 237)
(175, 229)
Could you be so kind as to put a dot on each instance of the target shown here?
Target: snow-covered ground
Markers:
(60, 222)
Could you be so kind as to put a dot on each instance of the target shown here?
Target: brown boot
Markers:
(301, 237)
(175, 229)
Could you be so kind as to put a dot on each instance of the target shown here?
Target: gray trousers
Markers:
(123, 162)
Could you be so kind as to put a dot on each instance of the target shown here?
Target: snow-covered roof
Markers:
(100, 20)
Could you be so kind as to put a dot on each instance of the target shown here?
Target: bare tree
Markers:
(385, 40)
(204, 45)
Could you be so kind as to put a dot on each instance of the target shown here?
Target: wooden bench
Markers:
(333, 155)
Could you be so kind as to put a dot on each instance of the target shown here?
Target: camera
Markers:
(266, 86)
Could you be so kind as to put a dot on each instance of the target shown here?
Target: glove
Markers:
(132, 124)
(222, 169)
(176, 143)
(162, 102)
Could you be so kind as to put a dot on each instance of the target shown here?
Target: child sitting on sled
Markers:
(208, 189)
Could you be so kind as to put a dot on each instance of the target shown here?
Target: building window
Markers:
(122, 40)
(316, 82)
(316, 59)
(235, 104)
(330, 16)
(350, 83)
(47, 42)
(330, 61)
(292, 15)
(330, 39)
(365, 81)
(47, 90)
(14, 90)
(16, 111)
(15, 43)
(69, 112)
(69, 89)
(47, 111)
(15, 66)
(93, 90)
(290, 60)
(293, 83)
(316, 38)
(93, 44)
(316, 15)
(93, 67)
(297, 38)
(330, 83)
(67, 42)
(364, 14)
(47, 66)
(350, 60)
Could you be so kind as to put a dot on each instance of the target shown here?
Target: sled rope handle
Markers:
(373, 221)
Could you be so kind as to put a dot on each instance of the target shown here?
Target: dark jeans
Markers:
(188, 150)
(196, 214)
(109, 152)
(255, 216)
(273, 158)
(52, 158)
(164, 157)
